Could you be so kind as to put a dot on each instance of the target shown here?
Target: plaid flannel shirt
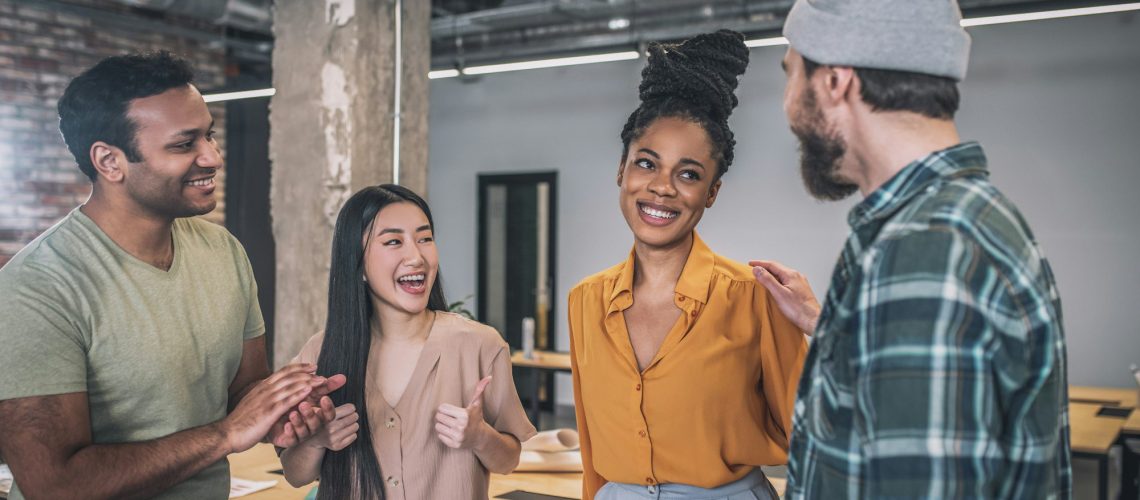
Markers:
(937, 368)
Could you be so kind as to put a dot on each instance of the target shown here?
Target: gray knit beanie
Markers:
(920, 36)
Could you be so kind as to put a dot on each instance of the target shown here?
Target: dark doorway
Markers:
(247, 189)
(517, 263)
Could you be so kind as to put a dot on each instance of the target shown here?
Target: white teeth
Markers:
(660, 214)
(412, 277)
(202, 182)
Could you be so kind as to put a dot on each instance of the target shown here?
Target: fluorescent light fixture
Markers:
(984, 21)
(552, 63)
(759, 42)
(766, 42)
(618, 23)
(542, 63)
(245, 94)
(1050, 14)
(443, 73)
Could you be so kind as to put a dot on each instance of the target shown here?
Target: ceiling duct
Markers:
(247, 15)
(521, 29)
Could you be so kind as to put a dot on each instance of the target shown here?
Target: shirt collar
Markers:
(693, 283)
(955, 161)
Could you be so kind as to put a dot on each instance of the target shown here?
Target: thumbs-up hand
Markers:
(463, 427)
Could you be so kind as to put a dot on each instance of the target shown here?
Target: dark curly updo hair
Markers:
(693, 81)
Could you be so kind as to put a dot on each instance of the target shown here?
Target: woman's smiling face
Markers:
(401, 260)
(667, 181)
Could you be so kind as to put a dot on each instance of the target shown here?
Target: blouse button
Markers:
(637, 388)
(694, 313)
(681, 298)
(390, 423)
(650, 480)
(392, 481)
(641, 433)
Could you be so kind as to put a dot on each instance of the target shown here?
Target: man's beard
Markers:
(821, 149)
(153, 193)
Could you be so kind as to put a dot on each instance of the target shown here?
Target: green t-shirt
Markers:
(154, 350)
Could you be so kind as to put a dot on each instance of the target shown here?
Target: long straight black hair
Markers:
(354, 472)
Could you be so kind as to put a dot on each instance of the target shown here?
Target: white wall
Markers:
(1054, 103)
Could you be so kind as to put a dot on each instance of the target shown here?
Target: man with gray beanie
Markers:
(937, 368)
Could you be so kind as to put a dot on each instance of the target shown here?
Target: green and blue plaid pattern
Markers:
(937, 368)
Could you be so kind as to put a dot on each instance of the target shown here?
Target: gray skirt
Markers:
(754, 486)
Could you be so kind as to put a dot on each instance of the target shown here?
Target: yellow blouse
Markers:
(714, 403)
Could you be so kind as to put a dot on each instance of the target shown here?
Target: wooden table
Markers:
(1129, 488)
(542, 361)
(1091, 437)
(548, 360)
(1089, 431)
(1092, 434)
(1108, 396)
(559, 484)
(256, 463)
(1132, 425)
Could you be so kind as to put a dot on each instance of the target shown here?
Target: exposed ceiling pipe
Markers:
(569, 27)
(250, 15)
(255, 50)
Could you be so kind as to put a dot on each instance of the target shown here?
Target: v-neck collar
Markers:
(429, 356)
(694, 283)
(126, 257)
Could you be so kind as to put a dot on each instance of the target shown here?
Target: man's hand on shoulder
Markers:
(790, 290)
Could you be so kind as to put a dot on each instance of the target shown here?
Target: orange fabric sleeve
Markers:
(783, 349)
(591, 480)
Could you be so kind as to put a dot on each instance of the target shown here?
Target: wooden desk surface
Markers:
(256, 463)
(561, 484)
(549, 360)
(1090, 433)
(1126, 398)
(1132, 425)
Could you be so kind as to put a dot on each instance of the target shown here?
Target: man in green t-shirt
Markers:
(132, 355)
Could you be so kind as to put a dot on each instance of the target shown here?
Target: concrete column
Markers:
(331, 134)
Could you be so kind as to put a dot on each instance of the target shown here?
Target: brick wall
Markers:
(42, 46)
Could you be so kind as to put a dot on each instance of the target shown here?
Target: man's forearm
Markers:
(134, 470)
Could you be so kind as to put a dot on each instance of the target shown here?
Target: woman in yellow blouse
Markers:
(684, 369)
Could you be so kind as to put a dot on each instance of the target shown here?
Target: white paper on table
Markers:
(560, 461)
(238, 487)
(553, 441)
(241, 487)
(5, 479)
(551, 451)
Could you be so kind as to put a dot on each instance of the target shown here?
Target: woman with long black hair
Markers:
(430, 406)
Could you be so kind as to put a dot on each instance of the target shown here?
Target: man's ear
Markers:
(834, 84)
(713, 191)
(109, 161)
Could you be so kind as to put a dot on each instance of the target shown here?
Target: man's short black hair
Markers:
(890, 90)
(94, 105)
